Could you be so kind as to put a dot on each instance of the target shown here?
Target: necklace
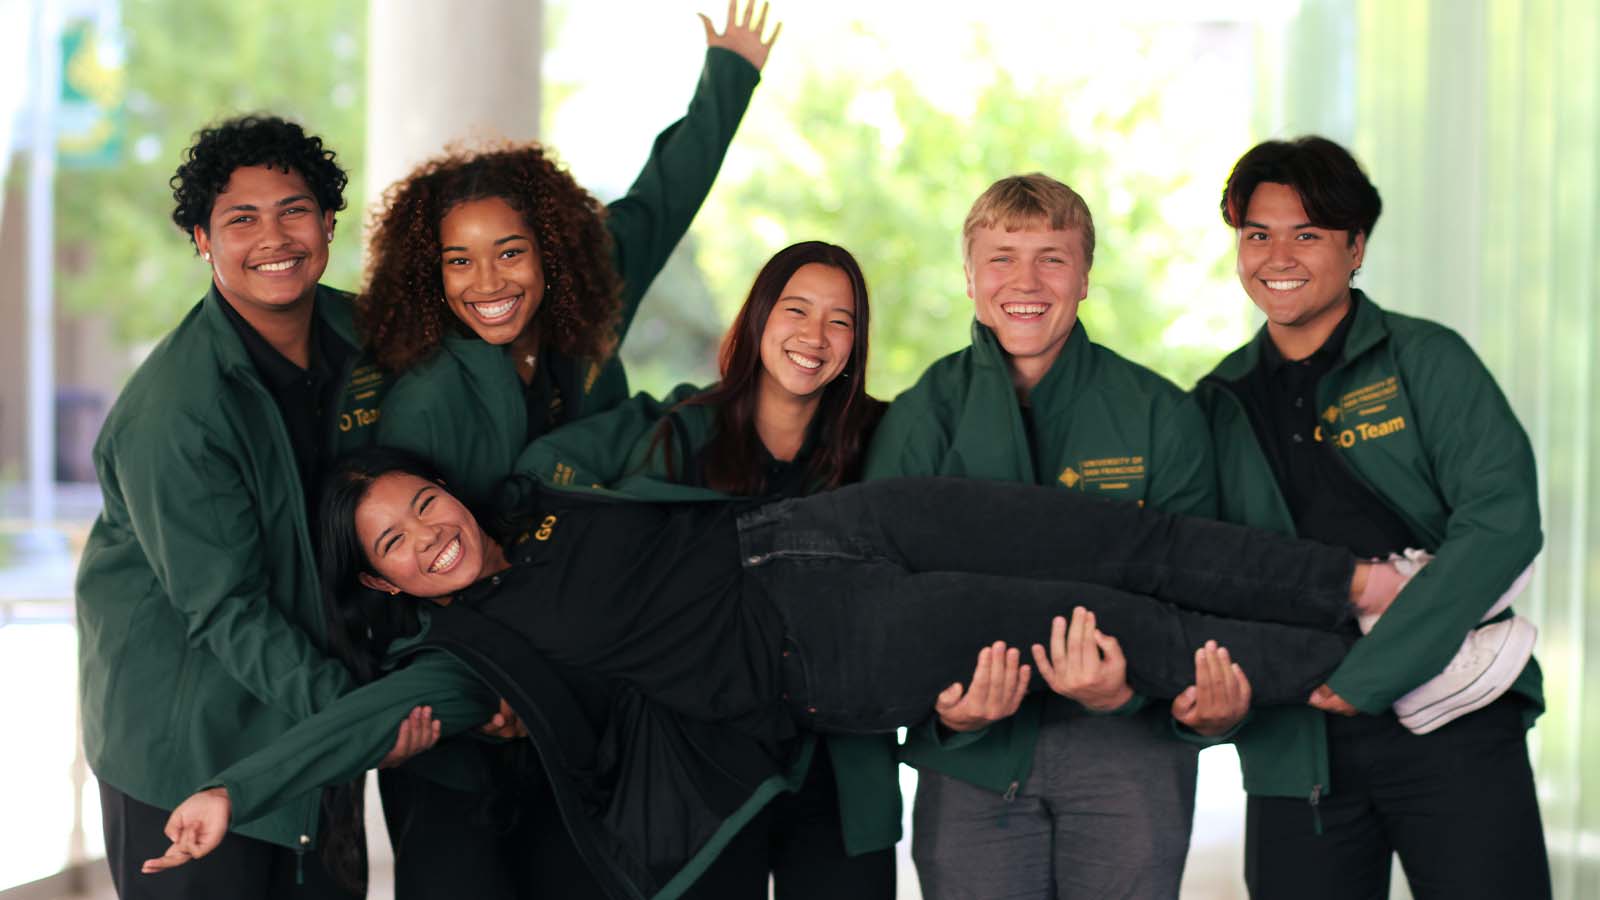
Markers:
(529, 359)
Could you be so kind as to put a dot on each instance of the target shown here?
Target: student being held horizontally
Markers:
(498, 292)
(499, 289)
(1348, 424)
(790, 416)
(1085, 792)
(198, 575)
(665, 657)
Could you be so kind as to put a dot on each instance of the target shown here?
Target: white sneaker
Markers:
(1490, 659)
(1409, 563)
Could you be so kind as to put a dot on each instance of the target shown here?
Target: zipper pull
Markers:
(1011, 792)
(300, 860)
(1316, 814)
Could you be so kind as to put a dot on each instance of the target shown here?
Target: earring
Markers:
(394, 592)
(330, 235)
(206, 256)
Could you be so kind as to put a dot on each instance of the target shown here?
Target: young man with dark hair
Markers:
(1091, 796)
(200, 620)
(1344, 423)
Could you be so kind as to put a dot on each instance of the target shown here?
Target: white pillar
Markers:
(41, 380)
(443, 72)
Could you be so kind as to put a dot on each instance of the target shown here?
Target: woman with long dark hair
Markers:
(789, 416)
(667, 657)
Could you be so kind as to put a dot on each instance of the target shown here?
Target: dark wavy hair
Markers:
(844, 418)
(401, 312)
(252, 140)
(1335, 192)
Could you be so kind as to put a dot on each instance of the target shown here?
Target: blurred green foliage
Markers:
(188, 64)
(893, 183)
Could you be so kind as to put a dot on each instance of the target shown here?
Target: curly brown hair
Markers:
(401, 312)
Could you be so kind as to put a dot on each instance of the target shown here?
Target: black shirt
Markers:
(1328, 501)
(307, 399)
(653, 595)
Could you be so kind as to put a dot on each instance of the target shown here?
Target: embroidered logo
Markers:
(546, 528)
(1070, 477)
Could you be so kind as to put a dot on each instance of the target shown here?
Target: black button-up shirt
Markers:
(1328, 501)
(306, 398)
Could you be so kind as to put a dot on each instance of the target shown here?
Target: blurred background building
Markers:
(875, 126)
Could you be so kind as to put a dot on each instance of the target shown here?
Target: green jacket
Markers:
(1104, 426)
(465, 408)
(1422, 423)
(200, 621)
(617, 452)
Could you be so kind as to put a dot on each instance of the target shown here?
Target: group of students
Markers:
(603, 645)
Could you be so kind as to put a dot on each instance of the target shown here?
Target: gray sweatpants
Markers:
(1105, 814)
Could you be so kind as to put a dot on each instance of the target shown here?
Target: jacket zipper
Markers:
(1316, 812)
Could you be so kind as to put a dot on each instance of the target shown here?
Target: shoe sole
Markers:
(1512, 657)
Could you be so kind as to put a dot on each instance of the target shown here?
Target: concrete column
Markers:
(442, 72)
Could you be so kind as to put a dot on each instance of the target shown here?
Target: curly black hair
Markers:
(252, 140)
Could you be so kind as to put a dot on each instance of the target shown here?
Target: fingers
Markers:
(761, 20)
(733, 14)
(949, 698)
(774, 39)
(711, 30)
(174, 857)
(749, 8)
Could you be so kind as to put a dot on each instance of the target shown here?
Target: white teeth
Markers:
(1286, 285)
(804, 362)
(278, 266)
(495, 310)
(1025, 309)
(447, 557)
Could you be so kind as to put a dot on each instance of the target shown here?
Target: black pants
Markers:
(505, 843)
(889, 589)
(798, 840)
(1457, 804)
(240, 868)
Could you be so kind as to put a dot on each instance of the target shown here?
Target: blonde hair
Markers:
(1020, 201)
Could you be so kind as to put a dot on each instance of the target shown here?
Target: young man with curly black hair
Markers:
(200, 621)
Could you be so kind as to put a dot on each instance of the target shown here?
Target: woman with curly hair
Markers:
(499, 289)
(497, 292)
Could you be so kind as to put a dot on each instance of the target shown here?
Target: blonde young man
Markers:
(1092, 796)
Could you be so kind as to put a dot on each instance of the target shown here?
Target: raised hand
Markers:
(742, 37)
(1084, 664)
(1219, 697)
(195, 828)
(998, 685)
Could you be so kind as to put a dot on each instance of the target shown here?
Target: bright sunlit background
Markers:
(875, 126)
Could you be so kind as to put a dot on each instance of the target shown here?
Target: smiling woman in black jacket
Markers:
(666, 656)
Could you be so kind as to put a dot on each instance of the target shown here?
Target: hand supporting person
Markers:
(998, 685)
(1220, 696)
(740, 36)
(1084, 664)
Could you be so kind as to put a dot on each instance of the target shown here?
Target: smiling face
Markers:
(418, 538)
(1026, 285)
(810, 332)
(1297, 274)
(267, 241)
(493, 276)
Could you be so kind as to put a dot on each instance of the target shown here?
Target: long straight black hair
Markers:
(361, 623)
(844, 418)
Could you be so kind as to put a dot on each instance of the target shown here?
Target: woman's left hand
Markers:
(740, 36)
(195, 828)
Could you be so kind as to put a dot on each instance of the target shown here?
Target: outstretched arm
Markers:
(648, 221)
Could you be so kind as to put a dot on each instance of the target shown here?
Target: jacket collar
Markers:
(1059, 386)
(1368, 329)
(332, 307)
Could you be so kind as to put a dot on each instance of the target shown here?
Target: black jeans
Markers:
(1457, 804)
(888, 590)
(240, 867)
